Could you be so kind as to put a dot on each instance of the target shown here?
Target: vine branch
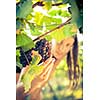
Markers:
(41, 4)
(61, 25)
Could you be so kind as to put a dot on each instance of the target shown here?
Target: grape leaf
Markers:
(49, 21)
(29, 17)
(33, 70)
(28, 46)
(22, 1)
(38, 18)
(52, 12)
(22, 39)
(63, 13)
(41, 19)
(48, 5)
(76, 17)
(18, 64)
(34, 31)
(70, 30)
(65, 1)
(58, 34)
(48, 37)
(20, 24)
(24, 9)
(17, 52)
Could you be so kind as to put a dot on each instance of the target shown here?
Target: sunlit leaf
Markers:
(38, 18)
(48, 37)
(65, 14)
(29, 17)
(58, 34)
(22, 39)
(17, 52)
(70, 30)
(28, 46)
(48, 5)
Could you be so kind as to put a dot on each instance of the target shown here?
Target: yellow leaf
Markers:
(74, 28)
(47, 4)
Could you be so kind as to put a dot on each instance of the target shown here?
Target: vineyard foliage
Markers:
(36, 17)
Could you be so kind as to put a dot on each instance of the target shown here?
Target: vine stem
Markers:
(61, 25)
(41, 4)
(25, 55)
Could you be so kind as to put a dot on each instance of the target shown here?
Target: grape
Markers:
(18, 70)
(44, 49)
(26, 57)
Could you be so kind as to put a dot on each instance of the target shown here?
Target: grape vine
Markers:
(42, 29)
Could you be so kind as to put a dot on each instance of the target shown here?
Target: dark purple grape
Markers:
(44, 49)
(29, 58)
(25, 57)
(18, 70)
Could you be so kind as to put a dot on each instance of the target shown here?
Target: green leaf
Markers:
(17, 52)
(80, 21)
(29, 76)
(76, 16)
(33, 70)
(19, 65)
(28, 46)
(65, 1)
(57, 20)
(35, 60)
(48, 37)
(65, 14)
(22, 39)
(58, 34)
(34, 31)
(24, 9)
(49, 20)
(48, 5)
(29, 17)
(22, 1)
(38, 18)
(52, 12)
(41, 19)
(18, 62)
(18, 24)
(70, 30)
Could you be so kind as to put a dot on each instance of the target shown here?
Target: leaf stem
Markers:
(25, 55)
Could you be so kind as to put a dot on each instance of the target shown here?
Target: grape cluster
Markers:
(26, 57)
(44, 49)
